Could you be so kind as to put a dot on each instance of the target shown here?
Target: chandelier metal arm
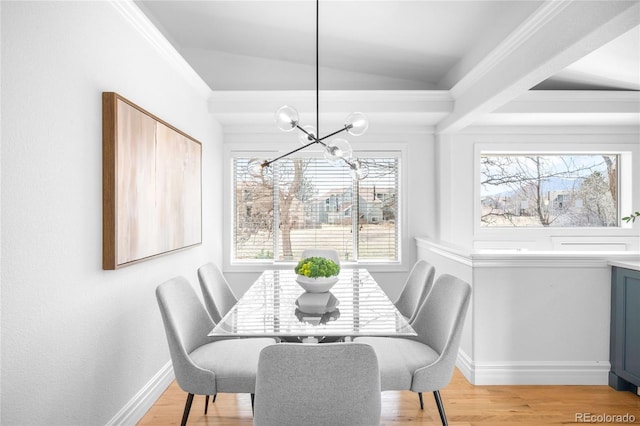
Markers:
(267, 163)
(344, 129)
(311, 135)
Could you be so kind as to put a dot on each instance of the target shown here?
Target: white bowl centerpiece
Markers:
(317, 274)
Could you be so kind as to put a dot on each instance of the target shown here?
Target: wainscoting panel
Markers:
(536, 317)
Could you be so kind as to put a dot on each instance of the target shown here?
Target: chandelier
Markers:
(338, 152)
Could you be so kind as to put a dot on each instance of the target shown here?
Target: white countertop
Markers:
(478, 258)
(626, 264)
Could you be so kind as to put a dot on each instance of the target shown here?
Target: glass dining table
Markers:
(275, 305)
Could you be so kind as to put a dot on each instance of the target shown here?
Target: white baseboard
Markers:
(138, 406)
(466, 367)
(533, 372)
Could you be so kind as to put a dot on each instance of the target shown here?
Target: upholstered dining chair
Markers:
(317, 384)
(425, 363)
(204, 365)
(326, 253)
(216, 292)
(415, 289)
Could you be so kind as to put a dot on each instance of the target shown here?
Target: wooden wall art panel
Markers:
(152, 185)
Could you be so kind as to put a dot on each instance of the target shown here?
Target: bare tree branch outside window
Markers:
(301, 203)
(549, 190)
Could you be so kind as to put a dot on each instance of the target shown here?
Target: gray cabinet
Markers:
(625, 329)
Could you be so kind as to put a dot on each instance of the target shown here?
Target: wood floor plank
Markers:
(465, 405)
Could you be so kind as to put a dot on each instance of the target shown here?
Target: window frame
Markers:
(248, 149)
(533, 234)
(561, 197)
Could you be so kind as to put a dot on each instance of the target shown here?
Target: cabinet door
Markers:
(626, 330)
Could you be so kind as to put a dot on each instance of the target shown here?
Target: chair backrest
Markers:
(311, 384)
(440, 321)
(326, 253)
(186, 325)
(415, 290)
(218, 296)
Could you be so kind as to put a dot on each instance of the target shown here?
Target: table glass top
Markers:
(276, 305)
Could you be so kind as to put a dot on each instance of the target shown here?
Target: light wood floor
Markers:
(465, 404)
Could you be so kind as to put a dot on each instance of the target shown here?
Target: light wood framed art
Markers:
(151, 185)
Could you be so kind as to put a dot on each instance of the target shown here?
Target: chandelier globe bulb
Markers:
(304, 138)
(337, 151)
(287, 118)
(358, 169)
(256, 167)
(356, 124)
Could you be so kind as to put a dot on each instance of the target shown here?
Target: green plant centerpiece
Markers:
(315, 267)
(317, 274)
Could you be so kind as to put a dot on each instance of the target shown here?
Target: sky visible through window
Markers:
(315, 205)
(519, 190)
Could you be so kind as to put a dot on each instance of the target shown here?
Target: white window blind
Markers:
(378, 221)
(306, 202)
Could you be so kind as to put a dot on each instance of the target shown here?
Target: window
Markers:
(568, 190)
(301, 203)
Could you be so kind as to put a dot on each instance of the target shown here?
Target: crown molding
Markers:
(628, 96)
(546, 129)
(568, 108)
(139, 21)
(421, 109)
(332, 100)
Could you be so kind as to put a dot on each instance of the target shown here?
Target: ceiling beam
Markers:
(402, 107)
(556, 35)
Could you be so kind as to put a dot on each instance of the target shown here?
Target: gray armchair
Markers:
(204, 365)
(415, 290)
(425, 363)
(310, 384)
(218, 296)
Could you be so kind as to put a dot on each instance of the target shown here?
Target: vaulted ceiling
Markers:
(482, 53)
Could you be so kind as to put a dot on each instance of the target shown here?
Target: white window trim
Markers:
(271, 147)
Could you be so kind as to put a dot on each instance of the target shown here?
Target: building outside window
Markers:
(544, 190)
(305, 202)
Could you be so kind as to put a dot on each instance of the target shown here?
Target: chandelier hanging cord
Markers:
(317, 71)
(337, 152)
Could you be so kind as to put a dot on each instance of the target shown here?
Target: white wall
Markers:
(78, 342)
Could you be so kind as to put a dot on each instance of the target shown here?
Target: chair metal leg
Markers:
(206, 404)
(420, 398)
(214, 397)
(443, 416)
(187, 408)
(253, 397)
